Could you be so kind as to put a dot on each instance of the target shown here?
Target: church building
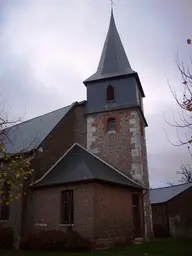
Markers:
(89, 159)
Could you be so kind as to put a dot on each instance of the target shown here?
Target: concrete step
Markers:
(103, 243)
(139, 240)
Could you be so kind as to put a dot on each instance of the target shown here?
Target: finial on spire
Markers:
(112, 4)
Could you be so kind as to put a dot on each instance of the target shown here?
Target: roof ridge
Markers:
(40, 116)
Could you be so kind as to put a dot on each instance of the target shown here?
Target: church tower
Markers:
(115, 116)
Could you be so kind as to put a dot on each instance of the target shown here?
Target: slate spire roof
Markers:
(113, 61)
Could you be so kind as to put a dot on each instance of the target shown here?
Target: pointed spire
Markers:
(113, 61)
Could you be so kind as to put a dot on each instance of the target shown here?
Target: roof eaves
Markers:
(161, 202)
(139, 83)
(94, 78)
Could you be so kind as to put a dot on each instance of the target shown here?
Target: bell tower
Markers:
(115, 116)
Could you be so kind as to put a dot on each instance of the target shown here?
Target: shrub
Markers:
(75, 243)
(160, 231)
(124, 242)
(51, 240)
(55, 240)
(6, 238)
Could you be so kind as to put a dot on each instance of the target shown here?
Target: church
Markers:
(89, 159)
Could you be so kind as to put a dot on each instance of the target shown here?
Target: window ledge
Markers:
(66, 225)
(110, 132)
(110, 101)
(40, 225)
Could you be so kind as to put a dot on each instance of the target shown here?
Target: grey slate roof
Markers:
(78, 164)
(114, 61)
(162, 195)
(28, 135)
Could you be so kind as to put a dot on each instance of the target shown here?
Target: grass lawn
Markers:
(168, 247)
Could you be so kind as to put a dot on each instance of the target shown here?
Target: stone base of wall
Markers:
(106, 243)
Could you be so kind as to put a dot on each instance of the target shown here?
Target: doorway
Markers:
(136, 215)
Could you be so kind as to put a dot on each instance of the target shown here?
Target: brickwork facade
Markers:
(125, 149)
(48, 215)
(113, 216)
(80, 125)
(100, 211)
(71, 129)
(105, 218)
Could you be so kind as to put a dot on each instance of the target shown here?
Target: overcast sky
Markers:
(48, 47)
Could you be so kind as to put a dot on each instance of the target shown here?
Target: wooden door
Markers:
(136, 215)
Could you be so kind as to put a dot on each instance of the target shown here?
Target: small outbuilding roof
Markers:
(162, 195)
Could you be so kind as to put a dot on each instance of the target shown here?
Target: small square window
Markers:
(111, 125)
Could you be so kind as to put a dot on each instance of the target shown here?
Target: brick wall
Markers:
(46, 208)
(71, 129)
(114, 218)
(125, 149)
(147, 204)
(55, 145)
(80, 125)
(121, 149)
(114, 148)
(100, 211)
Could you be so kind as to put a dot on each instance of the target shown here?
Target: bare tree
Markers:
(185, 173)
(183, 122)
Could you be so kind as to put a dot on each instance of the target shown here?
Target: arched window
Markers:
(110, 93)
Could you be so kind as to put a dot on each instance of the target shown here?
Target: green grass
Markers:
(168, 247)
